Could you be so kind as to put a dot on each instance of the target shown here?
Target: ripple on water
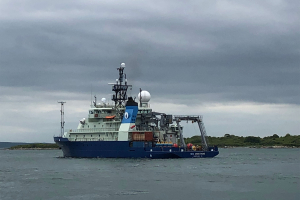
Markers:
(134, 192)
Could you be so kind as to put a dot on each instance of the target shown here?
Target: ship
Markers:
(129, 128)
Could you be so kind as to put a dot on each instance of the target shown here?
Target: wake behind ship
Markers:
(128, 129)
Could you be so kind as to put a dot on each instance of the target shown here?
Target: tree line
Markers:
(227, 140)
(240, 141)
(36, 146)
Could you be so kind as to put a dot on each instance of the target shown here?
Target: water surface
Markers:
(238, 173)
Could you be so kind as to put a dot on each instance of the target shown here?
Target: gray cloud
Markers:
(229, 51)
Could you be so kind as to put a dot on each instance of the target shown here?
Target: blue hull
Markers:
(125, 149)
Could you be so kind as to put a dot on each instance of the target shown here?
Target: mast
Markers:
(120, 89)
(140, 99)
(62, 120)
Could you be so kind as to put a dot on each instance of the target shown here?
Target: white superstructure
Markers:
(103, 122)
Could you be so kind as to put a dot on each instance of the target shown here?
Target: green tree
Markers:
(275, 136)
(252, 140)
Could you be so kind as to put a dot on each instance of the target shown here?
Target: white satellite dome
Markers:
(103, 100)
(145, 96)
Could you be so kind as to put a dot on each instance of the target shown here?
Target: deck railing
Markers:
(92, 139)
(93, 130)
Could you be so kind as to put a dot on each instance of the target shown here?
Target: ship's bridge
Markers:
(108, 112)
(143, 110)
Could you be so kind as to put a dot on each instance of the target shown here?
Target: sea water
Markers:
(237, 173)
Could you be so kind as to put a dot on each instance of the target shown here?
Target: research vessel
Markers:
(129, 128)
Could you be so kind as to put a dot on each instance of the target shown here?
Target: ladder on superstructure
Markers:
(193, 118)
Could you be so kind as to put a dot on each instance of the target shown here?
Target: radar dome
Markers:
(103, 100)
(145, 96)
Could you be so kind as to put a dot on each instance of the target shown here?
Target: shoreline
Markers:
(225, 147)
(262, 147)
(32, 149)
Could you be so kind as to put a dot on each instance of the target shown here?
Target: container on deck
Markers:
(142, 136)
(148, 136)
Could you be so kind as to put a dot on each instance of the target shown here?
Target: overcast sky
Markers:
(235, 62)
